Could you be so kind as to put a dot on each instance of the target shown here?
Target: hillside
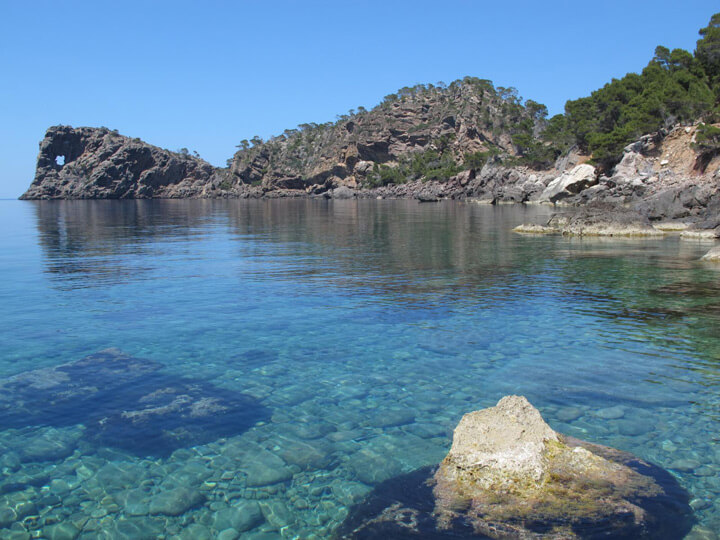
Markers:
(424, 132)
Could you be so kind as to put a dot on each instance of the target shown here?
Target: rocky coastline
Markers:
(657, 178)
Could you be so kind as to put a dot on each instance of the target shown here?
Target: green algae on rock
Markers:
(509, 475)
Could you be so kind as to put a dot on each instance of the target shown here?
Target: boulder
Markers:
(569, 183)
(713, 255)
(510, 475)
(342, 192)
(426, 196)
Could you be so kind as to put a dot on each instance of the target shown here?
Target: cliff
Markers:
(97, 163)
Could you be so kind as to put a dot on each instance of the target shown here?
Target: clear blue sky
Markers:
(205, 75)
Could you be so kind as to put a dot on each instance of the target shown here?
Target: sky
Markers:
(205, 75)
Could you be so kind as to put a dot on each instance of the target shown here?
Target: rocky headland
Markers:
(466, 141)
(659, 178)
(509, 475)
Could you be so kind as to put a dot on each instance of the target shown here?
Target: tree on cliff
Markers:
(675, 87)
(708, 51)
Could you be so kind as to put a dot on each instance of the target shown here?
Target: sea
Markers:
(255, 368)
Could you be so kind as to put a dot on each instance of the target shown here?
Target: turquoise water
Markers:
(354, 335)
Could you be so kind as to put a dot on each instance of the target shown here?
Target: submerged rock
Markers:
(125, 402)
(509, 475)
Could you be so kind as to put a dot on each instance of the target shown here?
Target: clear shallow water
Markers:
(358, 331)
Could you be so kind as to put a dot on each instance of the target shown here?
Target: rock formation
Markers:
(595, 219)
(96, 163)
(713, 255)
(509, 475)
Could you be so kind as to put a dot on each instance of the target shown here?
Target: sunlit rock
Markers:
(509, 475)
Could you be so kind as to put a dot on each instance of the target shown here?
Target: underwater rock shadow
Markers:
(127, 403)
(403, 508)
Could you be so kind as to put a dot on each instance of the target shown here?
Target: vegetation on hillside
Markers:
(434, 131)
(675, 87)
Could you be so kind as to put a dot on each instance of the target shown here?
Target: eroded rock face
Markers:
(509, 475)
(96, 163)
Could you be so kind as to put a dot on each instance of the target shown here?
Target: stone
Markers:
(135, 502)
(603, 220)
(568, 414)
(196, 531)
(569, 183)
(508, 474)
(342, 192)
(176, 501)
(349, 492)
(7, 516)
(62, 531)
(242, 516)
(685, 465)
(277, 513)
(392, 418)
(611, 413)
(426, 195)
(265, 468)
(532, 228)
(507, 441)
(228, 534)
(712, 256)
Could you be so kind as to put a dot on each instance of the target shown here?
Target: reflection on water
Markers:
(354, 334)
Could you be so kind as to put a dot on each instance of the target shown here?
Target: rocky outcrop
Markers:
(713, 255)
(595, 220)
(658, 177)
(96, 163)
(509, 475)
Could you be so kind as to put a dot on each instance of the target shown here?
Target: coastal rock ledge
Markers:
(509, 475)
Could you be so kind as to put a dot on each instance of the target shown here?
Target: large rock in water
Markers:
(596, 220)
(96, 163)
(509, 475)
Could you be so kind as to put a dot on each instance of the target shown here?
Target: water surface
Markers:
(352, 335)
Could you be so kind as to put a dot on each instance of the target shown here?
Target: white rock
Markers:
(713, 255)
(509, 437)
